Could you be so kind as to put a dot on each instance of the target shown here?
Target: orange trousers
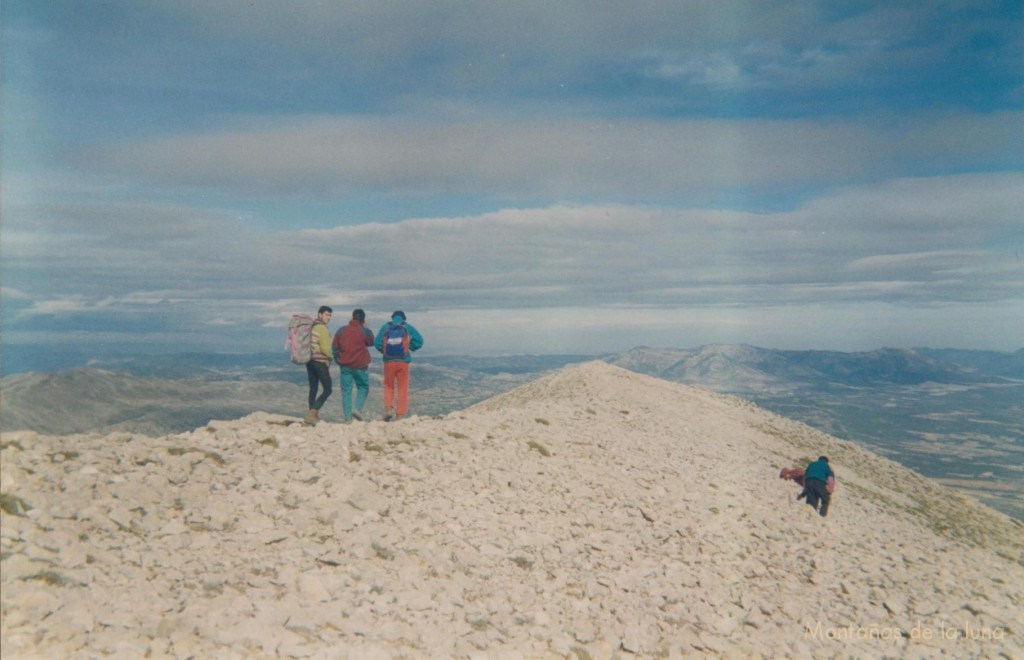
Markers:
(396, 385)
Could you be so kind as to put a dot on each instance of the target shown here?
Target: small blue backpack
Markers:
(396, 341)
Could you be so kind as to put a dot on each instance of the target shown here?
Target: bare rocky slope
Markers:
(594, 513)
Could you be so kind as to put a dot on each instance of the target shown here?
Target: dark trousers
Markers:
(319, 375)
(817, 490)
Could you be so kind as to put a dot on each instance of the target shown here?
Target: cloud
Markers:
(64, 306)
(718, 71)
(932, 213)
(841, 325)
(534, 49)
(190, 164)
(124, 67)
(101, 250)
(8, 293)
(565, 160)
(906, 245)
(529, 25)
(119, 224)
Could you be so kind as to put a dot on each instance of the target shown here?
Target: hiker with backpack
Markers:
(353, 357)
(396, 341)
(318, 369)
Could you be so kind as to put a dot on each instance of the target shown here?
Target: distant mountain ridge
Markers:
(744, 368)
(102, 401)
(1010, 365)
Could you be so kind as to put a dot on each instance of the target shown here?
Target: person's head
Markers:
(398, 316)
(324, 313)
(823, 459)
(358, 315)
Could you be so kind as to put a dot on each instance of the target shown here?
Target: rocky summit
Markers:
(594, 513)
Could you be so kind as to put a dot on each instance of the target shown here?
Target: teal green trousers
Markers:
(360, 379)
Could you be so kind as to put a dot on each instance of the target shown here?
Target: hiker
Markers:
(820, 481)
(353, 357)
(319, 368)
(397, 340)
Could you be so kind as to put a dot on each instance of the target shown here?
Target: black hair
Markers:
(324, 308)
(358, 314)
(823, 458)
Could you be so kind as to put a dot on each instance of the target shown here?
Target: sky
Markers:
(518, 177)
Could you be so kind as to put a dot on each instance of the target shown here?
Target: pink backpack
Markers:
(300, 338)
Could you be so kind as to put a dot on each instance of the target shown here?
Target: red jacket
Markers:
(350, 345)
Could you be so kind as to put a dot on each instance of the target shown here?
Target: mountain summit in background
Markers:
(593, 512)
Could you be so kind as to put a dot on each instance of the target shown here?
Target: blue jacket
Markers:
(819, 470)
(415, 342)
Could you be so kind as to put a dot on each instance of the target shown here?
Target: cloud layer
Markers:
(525, 176)
(620, 160)
(913, 242)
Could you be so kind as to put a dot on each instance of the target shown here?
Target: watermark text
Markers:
(917, 632)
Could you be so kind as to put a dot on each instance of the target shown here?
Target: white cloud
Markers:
(63, 307)
(799, 326)
(718, 71)
(463, 47)
(930, 213)
(8, 293)
(904, 246)
(561, 160)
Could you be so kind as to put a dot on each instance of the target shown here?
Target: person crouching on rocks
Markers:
(819, 482)
(796, 475)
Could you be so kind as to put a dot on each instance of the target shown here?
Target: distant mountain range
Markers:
(954, 415)
(742, 368)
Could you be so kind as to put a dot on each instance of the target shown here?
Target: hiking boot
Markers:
(311, 418)
(389, 413)
(357, 415)
(398, 417)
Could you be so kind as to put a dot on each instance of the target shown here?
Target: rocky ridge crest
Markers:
(592, 513)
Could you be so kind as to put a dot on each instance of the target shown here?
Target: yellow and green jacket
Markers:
(321, 343)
